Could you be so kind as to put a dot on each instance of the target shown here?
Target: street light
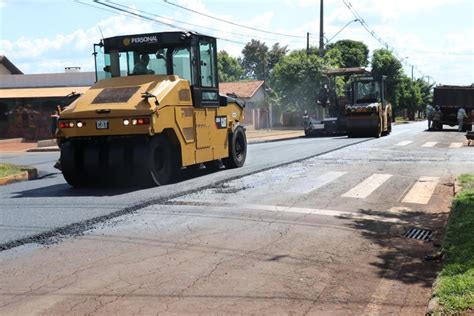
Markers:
(356, 20)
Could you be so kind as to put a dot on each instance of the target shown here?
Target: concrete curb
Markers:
(43, 149)
(457, 187)
(256, 141)
(47, 143)
(433, 307)
(11, 140)
(27, 174)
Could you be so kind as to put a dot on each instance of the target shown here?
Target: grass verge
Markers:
(455, 285)
(8, 169)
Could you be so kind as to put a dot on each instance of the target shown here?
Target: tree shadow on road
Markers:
(401, 258)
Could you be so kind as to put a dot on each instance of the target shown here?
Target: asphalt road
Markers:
(35, 211)
(318, 236)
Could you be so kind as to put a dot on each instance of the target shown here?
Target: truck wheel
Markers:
(71, 165)
(237, 149)
(163, 161)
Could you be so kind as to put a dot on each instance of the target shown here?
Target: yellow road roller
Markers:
(154, 109)
(369, 114)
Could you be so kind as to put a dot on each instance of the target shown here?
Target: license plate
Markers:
(318, 126)
(102, 124)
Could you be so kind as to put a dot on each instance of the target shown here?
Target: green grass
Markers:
(455, 286)
(8, 169)
(400, 119)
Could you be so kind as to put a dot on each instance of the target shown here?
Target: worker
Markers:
(461, 116)
(141, 67)
(429, 115)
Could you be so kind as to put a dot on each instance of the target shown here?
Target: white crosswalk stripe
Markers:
(429, 144)
(366, 187)
(216, 205)
(421, 191)
(455, 145)
(312, 184)
(404, 143)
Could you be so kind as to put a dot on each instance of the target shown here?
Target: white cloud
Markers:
(53, 54)
(386, 11)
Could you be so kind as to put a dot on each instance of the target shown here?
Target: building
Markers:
(27, 101)
(257, 111)
(7, 67)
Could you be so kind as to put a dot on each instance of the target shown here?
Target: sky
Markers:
(432, 37)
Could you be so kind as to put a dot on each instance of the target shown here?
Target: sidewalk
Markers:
(253, 137)
(264, 135)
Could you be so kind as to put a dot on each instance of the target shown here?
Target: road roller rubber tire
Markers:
(71, 165)
(163, 160)
(116, 165)
(237, 149)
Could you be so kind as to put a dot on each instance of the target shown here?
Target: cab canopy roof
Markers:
(143, 42)
(346, 71)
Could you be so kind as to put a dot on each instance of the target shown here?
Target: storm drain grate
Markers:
(418, 233)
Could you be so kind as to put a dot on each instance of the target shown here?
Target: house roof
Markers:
(66, 79)
(9, 65)
(241, 89)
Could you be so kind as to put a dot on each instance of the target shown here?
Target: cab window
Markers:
(182, 63)
(207, 60)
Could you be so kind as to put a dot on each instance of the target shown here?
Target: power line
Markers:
(145, 15)
(197, 26)
(229, 22)
(376, 36)
(138, 15)
(141, 16)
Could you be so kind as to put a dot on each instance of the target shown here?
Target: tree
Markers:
(274, 56)
(296, 80)
(228, 67)
(258, 60)
(255, 60)
(426, 90)
(353, 53)
(384, 63)
(410, 96)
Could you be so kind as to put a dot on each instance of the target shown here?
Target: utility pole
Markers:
(411, 72)
(321, 29)
(307, 43)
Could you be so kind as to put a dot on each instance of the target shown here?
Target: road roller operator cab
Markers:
(154, 109)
